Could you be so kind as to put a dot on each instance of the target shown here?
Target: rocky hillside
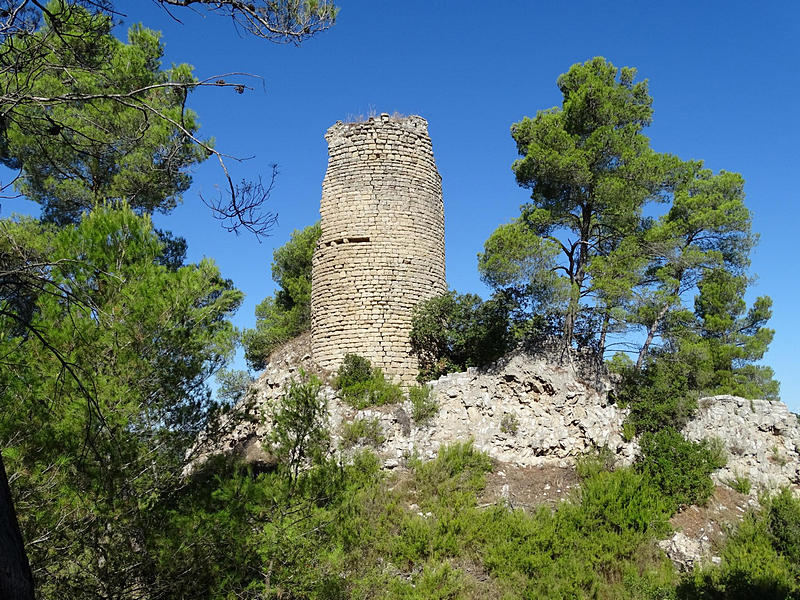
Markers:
(534, 410)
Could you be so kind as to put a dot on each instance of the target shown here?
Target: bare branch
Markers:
(242, 205)
(289, 21)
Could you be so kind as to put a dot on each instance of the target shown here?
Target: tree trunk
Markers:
(16, 580)
(580, 273)
(651, 333)
(601, 347)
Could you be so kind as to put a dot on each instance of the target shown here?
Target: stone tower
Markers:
(382, 246)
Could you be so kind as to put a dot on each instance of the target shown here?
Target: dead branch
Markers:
(287, 21)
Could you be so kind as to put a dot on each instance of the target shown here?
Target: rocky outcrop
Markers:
(536, 413)
(762, 439)
(530, 409)
(527, 410)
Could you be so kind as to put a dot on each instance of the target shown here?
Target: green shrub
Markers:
(287, 314)
(784, 525)
(509, 424)
(761, 559)
(600, 544)
(740, 483)
(364, 432)
(362, 386)
(455, 331)
(679, 468)
(595, 462)
(457, 465)
(423, 405)
(437, 581)
(658, 396)
(354, 369)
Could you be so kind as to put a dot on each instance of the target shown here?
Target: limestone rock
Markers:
(762, 439)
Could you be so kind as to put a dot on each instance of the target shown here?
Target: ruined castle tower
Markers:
(382, 246)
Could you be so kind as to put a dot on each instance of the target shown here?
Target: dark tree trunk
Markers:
(580, 273)
(16, 580)
(651, 333)
(601, 346)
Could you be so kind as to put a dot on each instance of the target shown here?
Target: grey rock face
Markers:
(560, 409)
(762, 439)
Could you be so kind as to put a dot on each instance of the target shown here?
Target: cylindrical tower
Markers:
(382, 246)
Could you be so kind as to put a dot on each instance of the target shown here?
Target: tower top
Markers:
(411, 123)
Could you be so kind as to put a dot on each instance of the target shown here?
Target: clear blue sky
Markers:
(724, 77)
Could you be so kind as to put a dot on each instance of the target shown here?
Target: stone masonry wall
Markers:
(382, 246)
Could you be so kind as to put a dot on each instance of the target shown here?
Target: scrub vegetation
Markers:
(108, 340)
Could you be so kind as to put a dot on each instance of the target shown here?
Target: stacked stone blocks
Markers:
(381, 251)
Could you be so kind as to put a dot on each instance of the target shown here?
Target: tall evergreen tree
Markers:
(706, 227)
(727, 338)
(590, 170)
(102, 401)
(136, 147)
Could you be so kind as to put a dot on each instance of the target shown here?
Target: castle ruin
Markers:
(381, 251)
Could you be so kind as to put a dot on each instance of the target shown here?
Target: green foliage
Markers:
(353, 370)
(761, 558)
(728, 338)
(437, 581)
(678, 468)
(299, 435)
(509, 424)
(707, 227)
(75, 155)
(595, 462)
(516, 258)
(286, 315)
(362, 432)
(598, 545)
(783, 519)
(590, 170)
(423, 405)
(658, 396)
(455, 331)
(741, 484)
(361, 386)
(352, 532)
(583, 258)
(457, 466)
(98, 411)
(234, 385)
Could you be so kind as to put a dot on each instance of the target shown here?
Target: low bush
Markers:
(365, 432)
(784, 525)
(423, 405)
(354, 369)
(455, 331)
(680, 469)
(457, 466)
(509, 424)
(595, 462)
(361, 385)
(741, 484)
(600, 544)
(761, 559)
